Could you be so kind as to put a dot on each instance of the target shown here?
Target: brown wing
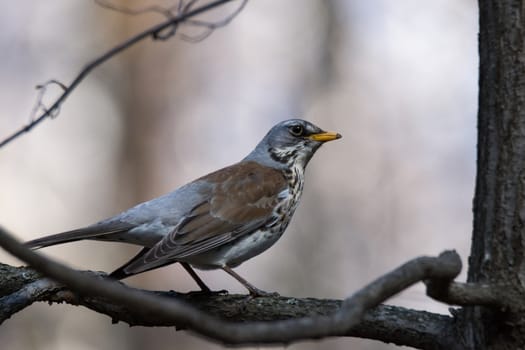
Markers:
(239, 201)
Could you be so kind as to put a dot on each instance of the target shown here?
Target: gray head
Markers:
(291, 142)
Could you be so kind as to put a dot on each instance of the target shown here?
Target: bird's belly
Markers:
(235, 252)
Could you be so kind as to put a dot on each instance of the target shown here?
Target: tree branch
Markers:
(456, 293)
(154, 32)
(176, 311)
(385, 323)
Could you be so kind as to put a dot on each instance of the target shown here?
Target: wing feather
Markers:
(240, 201)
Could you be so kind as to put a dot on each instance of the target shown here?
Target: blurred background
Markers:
(398, 79)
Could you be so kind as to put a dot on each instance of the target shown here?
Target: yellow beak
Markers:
(325, 136)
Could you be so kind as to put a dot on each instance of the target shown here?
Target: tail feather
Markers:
(124, 271)
(96, 232)
(121, 272)
(90, 232)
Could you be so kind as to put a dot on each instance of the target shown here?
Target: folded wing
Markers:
(240, 200)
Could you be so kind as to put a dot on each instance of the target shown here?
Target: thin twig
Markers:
(170, 13)
(137, 11)
(39, 105)
(209, 27)
(151, 32)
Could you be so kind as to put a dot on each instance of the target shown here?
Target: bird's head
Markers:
(291, 142)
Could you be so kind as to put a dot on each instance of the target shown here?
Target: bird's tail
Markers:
(122, 271)
(90, 232)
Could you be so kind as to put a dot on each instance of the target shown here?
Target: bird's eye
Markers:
(297, 130)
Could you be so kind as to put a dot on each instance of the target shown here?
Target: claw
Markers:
(257, 293)
(207, 292)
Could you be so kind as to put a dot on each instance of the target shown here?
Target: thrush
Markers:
(219, 220)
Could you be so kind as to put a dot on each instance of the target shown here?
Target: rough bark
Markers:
(499, 204)
(291, 319)
(21, 286)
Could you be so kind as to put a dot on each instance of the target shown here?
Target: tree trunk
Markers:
(499, 204)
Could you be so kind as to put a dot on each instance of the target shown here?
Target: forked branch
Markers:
(340, 320)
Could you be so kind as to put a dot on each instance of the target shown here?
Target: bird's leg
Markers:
(254, 291)
(204, 288)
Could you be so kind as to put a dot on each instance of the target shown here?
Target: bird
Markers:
(219, 220)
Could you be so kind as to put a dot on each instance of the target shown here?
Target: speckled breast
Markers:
(285, 209)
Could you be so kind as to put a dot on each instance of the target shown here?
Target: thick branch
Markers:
(389, 324)
(176, 311)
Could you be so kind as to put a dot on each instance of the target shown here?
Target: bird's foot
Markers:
(254, 291)
(257, 293)
(207, 292)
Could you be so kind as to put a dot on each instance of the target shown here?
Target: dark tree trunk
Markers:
(498, 240)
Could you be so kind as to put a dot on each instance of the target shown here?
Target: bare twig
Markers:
(170, 12)
(444, 267)
(151, 32)
(39, 104)
(218, 24)
(209, 27)
(456, 293)
(167, 12)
